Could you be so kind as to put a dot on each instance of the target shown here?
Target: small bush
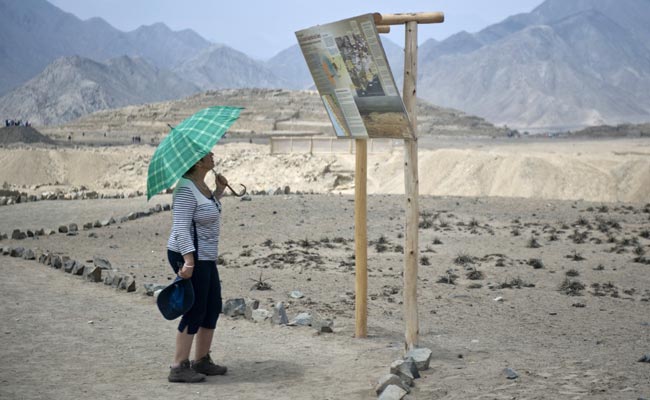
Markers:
(463, 259)
(533, 243)
(516, 283)
(437, 241)
(449, 278)
(572, 273)
(424, 260)
(572, 287)
(475, 275)
(536, 263)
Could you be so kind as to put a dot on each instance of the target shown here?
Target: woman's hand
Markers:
(220, 182)
(186, 271)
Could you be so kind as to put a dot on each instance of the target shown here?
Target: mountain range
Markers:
(566, 64)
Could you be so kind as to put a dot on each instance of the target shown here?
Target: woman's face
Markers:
(207, 162)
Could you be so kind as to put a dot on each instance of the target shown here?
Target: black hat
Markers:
(176, 299)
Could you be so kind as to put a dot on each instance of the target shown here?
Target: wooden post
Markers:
(411, 185)
(361, 239)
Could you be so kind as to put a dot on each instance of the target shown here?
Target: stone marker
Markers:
(127, 283)
(302, 319)
(260, 315)
(68, 266)
(151, 288)
(390, 379)
(251, 305)
(55, 261)
(279, 315)
(17, 252)
(323, 325)
(93, 274)
(29, 254)
(234, 307)
(102, 263)
(421, 356)
(392, 392)
(78, 269)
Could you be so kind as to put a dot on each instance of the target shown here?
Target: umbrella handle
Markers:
(234, 192)
(243, 192)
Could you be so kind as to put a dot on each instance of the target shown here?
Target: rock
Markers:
(278, 192)
(93, 274)
(406, 369)
(323, 325)
(246, 197)
(645, 358)
(63, 229)
(78, 269)
(251, 305)
(151, 288)
(260, 315)
(279, 315)
(158, 208)
(296, 294)
(510, 373)
(234, 307)
(29, 254)
(56, 262)
(43, 258)
(302, 319)
(127, 283)
(68, 266)
(39, 232)
(73, 227)
(421, 356)
(88, 226)
(17, 252)
(102, 263)
(287, 190)
(167, 207)
(3, 236)
(392, 392)
(17, 234)
(29, 233)
(390, 379)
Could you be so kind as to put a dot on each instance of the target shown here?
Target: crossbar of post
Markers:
(411, 180)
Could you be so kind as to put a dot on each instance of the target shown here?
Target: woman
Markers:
(192, 252)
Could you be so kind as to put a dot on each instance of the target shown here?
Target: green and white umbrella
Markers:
(186, 144)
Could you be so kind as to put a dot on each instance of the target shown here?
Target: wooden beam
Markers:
(361, 238)
(399, 19)
(411, 187)
(383, 28)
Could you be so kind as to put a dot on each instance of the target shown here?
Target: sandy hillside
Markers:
(603, 170)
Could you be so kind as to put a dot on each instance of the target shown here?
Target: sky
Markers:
(263, 28)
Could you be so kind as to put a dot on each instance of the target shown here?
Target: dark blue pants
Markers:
(207, 294)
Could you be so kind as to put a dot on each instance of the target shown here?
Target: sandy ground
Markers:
(562, 346)
(489, 211)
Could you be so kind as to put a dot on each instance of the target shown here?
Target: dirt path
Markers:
(63, 338)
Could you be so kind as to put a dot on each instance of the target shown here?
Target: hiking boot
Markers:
(185, 373)
(207, 367)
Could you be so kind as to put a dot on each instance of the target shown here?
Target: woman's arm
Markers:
(221, 182)
(182, 214)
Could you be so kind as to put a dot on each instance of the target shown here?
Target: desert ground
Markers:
(534, 256)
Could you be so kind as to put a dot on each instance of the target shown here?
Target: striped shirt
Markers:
(189, 205)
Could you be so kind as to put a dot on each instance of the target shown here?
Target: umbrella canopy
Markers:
(186, 144)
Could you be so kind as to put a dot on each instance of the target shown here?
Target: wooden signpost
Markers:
(340, 57)
(411, 183)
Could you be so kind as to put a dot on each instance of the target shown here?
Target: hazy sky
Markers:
(262, 28)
